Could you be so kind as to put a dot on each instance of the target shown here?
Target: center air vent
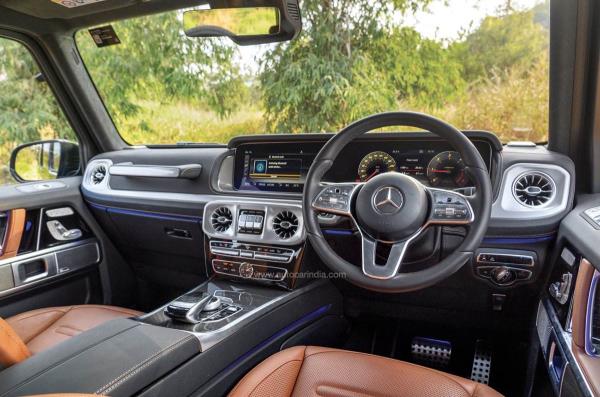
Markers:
(221, 219)
(98, 174)
(285, 224)
(533, 189)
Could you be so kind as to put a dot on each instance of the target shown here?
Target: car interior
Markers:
(399, 256)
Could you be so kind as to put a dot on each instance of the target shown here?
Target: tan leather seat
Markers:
(32, 332)
(319, 371)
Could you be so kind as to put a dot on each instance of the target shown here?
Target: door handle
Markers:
(61, 233)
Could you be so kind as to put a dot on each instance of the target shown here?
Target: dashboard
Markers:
(283, 166)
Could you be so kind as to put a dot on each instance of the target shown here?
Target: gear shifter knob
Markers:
(212, 304)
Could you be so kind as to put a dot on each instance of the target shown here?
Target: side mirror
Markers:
(269, 22)
(44, 160)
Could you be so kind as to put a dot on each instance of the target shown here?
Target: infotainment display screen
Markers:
(259, 168)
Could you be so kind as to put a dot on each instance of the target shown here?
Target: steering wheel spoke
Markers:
(336, 198)
(372, 269)
(449, 208)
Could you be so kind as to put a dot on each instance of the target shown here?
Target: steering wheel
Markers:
(394, 209)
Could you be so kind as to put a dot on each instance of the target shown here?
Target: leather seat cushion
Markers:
(43, 328)
(318, 371)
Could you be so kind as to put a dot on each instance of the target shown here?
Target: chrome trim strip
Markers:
(589, 315)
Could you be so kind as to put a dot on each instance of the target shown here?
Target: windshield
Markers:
(480, 65)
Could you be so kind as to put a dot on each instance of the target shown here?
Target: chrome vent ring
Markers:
(98, 174)
(285, 224)
(221, 219)
(534, 189)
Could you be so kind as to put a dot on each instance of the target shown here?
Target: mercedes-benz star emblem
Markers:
(388, 200)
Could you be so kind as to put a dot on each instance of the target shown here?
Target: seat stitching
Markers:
(140, 366)
(403, 362)
(271, 373)
(42, 329)
(298, 375)
(248, 374)
(112, 309)
(57, 330)
(20, 317)
(476, 391)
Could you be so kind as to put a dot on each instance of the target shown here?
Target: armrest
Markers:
(119, 358)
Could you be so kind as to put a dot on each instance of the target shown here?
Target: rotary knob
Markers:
(246, 270)
(503, 276)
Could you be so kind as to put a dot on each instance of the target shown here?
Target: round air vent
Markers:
(533, 189)
(221, 219)
(98, 174)
(285, 224)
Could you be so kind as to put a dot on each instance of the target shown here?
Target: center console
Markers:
(257, 242)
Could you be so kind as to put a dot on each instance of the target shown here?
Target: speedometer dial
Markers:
(447, 169)
(375, 163)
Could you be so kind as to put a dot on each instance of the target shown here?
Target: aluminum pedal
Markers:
(482, 363)
(431, 352)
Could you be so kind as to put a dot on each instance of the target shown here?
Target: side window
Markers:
(36, 141)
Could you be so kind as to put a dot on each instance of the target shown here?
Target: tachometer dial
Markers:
(447, 169)
(375, 163)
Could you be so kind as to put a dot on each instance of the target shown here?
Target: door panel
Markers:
(569, 315)
(57, 254)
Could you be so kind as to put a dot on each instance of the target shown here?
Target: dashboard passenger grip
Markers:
(187, 171)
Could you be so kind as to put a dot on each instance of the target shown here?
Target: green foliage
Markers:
(341, 67)
(513, 102)
(501, 42)
(28, 109)
(155, 61)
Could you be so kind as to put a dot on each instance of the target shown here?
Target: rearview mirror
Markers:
(44, 160)
(244, 25)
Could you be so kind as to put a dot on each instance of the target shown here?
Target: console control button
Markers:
(503, 276)
(251, 221)
(246, 270)
(248, 251)
(249, 271)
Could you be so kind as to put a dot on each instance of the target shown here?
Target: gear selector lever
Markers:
(187, 307)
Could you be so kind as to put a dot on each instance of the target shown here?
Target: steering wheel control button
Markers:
(450, 207)
(335, 198)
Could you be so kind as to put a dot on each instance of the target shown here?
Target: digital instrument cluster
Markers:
(283, 166)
